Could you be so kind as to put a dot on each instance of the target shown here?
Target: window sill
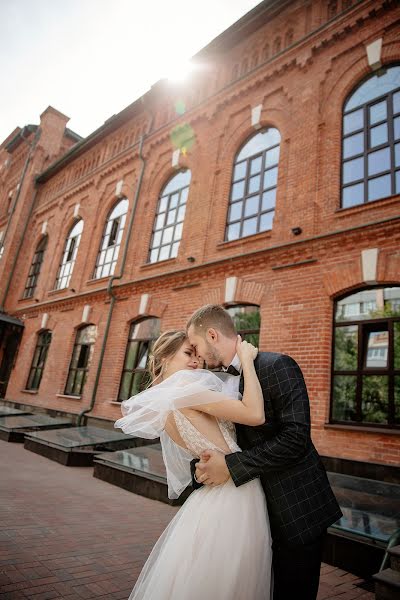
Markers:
(362, 428)
(244, 240)
(54, 292)
(342, 212)
(68, 397)
(115, 402)
(158, 263)
(30, 391)
(100, 279)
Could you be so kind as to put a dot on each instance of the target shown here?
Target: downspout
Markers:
(11, 274)
(114, 277)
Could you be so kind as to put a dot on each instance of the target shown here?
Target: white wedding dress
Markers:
(218, 545)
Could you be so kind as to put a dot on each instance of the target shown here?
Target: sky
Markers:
(90, 59)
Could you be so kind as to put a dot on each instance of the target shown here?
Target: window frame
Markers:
(367, 149)
(78, 369)
(140, 341)
(39, 355)
(365, 326)
(35, 268)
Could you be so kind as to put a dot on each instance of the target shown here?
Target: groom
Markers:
(300, 501)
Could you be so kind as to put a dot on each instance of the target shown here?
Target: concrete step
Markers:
(387, 585)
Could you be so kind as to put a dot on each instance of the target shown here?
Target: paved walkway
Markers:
(65, 534)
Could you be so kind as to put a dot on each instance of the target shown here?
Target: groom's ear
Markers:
(212, 334)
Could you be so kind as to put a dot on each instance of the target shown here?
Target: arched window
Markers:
(39, 360)
(247, 321)
(69, 256)
(168, 224)
(289, 37)
(80, 362)
(34, 270)
(371, 139)
(134, 375)
(111, 240)
(277, 45)
(266, 52)
(254, 181)
(366, 358)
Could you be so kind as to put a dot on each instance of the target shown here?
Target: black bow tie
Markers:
(232, 370)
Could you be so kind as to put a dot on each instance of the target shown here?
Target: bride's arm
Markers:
(250, 411)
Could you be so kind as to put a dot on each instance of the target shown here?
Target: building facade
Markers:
(268, 182)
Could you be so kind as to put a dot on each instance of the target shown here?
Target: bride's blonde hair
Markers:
(163, 348)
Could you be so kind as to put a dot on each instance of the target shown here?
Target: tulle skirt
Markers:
(218, 546)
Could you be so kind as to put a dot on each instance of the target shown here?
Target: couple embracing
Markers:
(254, 527)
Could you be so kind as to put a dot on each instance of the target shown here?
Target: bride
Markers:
(218, 545)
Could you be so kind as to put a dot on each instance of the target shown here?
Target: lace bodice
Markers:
(196, 442)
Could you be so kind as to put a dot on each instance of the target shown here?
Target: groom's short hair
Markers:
(214, 316)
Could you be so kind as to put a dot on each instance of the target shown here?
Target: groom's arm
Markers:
(284, 383)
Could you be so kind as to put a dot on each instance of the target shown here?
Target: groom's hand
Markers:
(212, 469)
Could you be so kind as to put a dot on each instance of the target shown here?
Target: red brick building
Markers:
(270, 181)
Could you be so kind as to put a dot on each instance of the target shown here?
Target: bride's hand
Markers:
(245, 351)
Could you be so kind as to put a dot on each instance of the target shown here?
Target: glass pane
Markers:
(397, 155)
(272, 157)
(79, 382)
(138, 383)
(346, 345)
(249, 227)
(396, 128)
(396, 102)
(268, 200)
(171, 217)
(353, 195)
(235, 211)
(270, 177)
(397, 400)
(344, 398)
(164, 253)
(178, 232)
(181, 213)
(378, 112)
(178, 181)
(160, 221)
(154, 255)
(145, 330)
(131, 355)
(396, 344)
(374, 404)
(240, 171)
(266, 221)
(259, 142)
(173, 201)
(255, 165)
(184, 195)
(125, 391)
(353, 145)
(378, 135)
(163, 204)
(380, 187)
(377, 350)
(254, 184)
(237, 190)
(167, 235)
(251, 206)
(174, 250)
(397, 176)
(233, 232)
(353, 170)
(374, 87)
(379, 161)
(353, 121)
(157, 239)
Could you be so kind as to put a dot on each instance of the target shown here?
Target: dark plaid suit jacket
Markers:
(301, 504)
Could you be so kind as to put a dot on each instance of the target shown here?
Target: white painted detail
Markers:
(144, 300)
(374, 54)
(175, 158)
(76, 209)
(369, 262)
(45, 318)
(10, 193)
(86, 313)
(118, 188)
(256, 116)
(230, 288)
(44, 227)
